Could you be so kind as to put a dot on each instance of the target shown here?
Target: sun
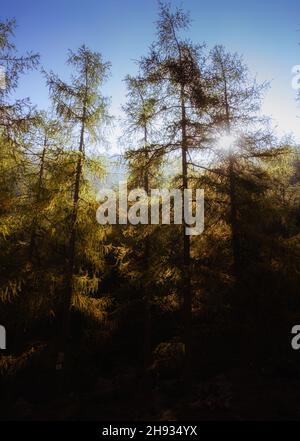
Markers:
(226, 141)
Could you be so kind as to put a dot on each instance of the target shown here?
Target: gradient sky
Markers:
(266, 32)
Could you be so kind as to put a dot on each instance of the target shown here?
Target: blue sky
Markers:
(265, 32)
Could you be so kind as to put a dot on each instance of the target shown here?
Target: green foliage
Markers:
(121, 286)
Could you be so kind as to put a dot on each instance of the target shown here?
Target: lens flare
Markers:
(226, 142)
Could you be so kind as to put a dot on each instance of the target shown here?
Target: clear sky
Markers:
(266, 32)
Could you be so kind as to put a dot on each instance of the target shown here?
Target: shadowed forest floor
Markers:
(239, 394)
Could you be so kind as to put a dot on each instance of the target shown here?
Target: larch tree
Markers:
(82, 105)
(16, 117)
(176, 64)
(141, 110)
(43, 147)
(14, 114)
(236, 113)
(235, 178)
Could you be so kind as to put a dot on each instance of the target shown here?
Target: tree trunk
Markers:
(234, 222)
(66, 313)
(186, 273)
(232, 194)
(147, 303)
(32, 242)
